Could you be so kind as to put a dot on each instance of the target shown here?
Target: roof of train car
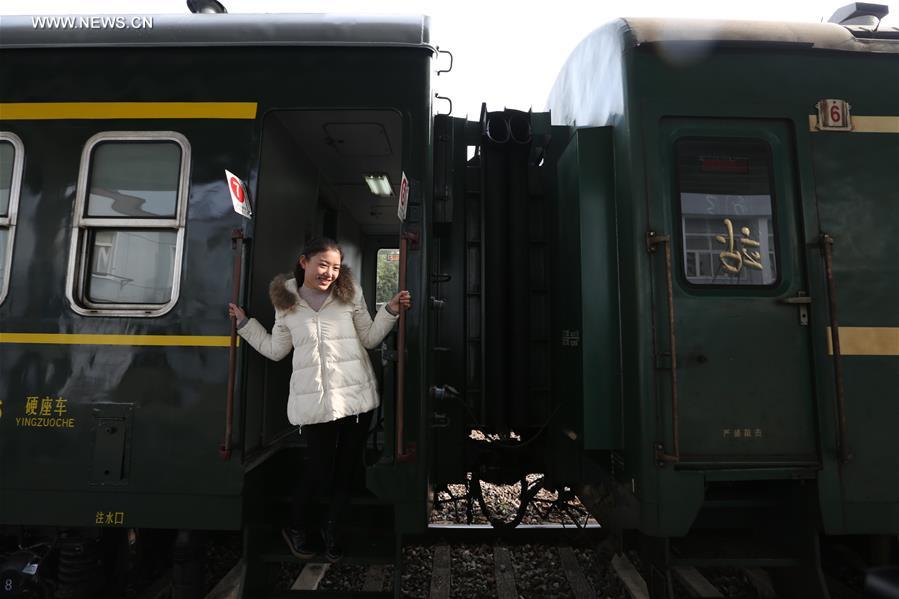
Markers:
(828, 36)
(596, 63)
(216, 30)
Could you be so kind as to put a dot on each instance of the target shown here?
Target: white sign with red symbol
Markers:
(238, 194)
(404, 198)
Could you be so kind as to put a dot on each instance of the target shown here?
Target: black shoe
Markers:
(333, 551)
(298, 543)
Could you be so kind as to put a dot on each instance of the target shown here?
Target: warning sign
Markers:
(239, 198)
(404, 198)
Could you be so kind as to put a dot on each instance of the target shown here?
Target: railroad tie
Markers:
(696, 584)
(440, 573)
(310, 577)
(840, 589)
(761, 581)
(229, 586)
(505, 574)
(374, 578)
(160, 589)
(576, 579)
(633, 582)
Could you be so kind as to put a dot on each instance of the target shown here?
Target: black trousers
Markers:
(333, 457)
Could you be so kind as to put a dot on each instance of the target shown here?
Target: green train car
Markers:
(119, 247)
(673, 294)
(736, 189)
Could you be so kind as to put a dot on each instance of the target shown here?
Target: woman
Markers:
(321, 315)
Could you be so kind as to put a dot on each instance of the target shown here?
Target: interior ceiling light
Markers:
(379, 184)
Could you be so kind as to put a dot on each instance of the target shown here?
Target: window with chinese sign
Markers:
(11, 161)
(130, 225)
(388, 279)
(726, 210)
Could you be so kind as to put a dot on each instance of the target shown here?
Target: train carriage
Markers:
(709, 313)
(119, 248)
(758, 295)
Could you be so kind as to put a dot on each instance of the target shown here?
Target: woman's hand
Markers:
(403, 298)
(235, 312)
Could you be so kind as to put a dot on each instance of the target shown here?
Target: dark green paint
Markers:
(588, 360)
(847, 180)
(178, 394)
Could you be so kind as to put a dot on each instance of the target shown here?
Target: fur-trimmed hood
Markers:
(285, 297)
(332, 375)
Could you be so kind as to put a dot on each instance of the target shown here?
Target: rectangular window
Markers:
(726, 206)
(12, 160)
(134, 180)
(129, 227)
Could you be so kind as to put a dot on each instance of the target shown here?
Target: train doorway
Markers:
(739, 289)
(312, 182)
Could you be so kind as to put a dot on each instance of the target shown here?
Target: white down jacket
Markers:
(332, 375)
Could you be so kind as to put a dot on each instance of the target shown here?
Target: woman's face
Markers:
(321, 269)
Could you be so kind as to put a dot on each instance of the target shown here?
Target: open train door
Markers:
(732, 301)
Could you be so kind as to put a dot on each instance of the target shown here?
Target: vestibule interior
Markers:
(312, 183)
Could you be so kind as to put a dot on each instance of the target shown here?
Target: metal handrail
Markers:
(652, 240)
(439, 51)
(439, 97)
(236, 245)
(405, 238)
(826, 242)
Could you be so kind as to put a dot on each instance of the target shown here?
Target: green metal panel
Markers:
(455, 264)
(568, 318)
(857, 193)
(588, 319)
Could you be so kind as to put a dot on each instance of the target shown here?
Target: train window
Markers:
(133, 267)
(128, 233)
(726, 212)
(388, 280)
(11, 162)
(134, 180)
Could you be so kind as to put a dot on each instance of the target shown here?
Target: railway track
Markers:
(532, 562)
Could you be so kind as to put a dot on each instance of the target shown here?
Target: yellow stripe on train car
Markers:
(36, 111)
(131, 340)
(863, 124)
(866, 341)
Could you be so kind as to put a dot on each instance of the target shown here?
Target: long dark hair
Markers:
(343, 285)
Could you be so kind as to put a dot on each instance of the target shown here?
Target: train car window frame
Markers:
(84, 228)
(774, 228)
(8, 221)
